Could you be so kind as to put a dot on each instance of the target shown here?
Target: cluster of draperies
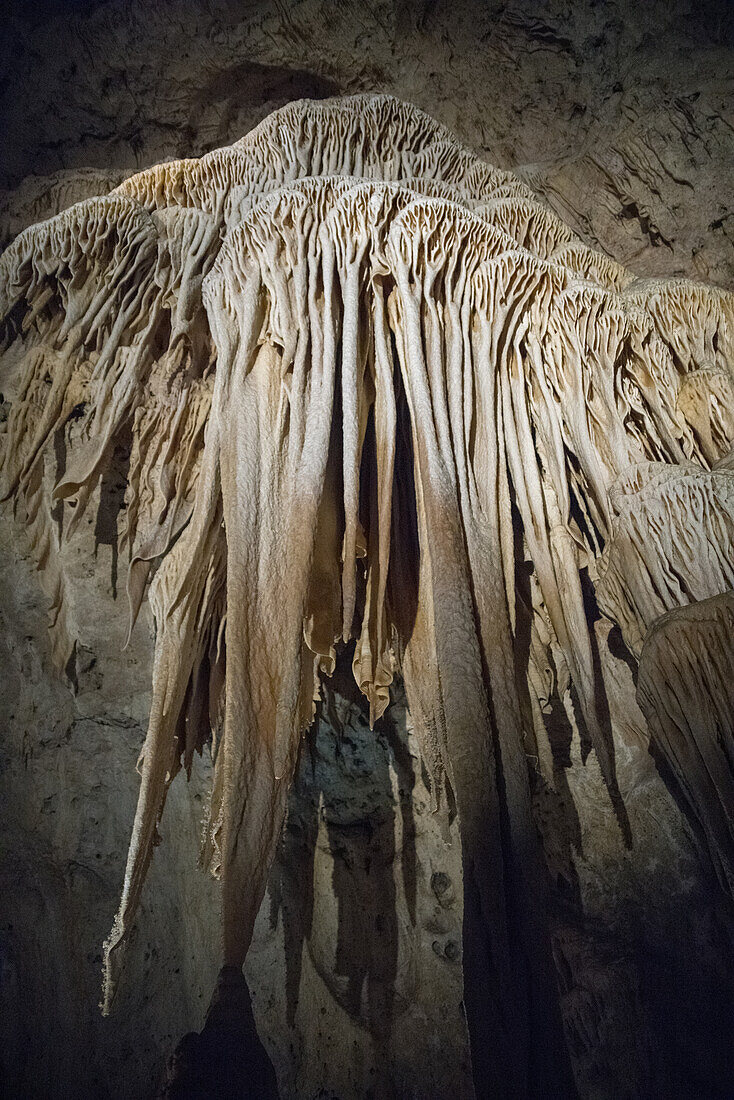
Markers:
(366, 377)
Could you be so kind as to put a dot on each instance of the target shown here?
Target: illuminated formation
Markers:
(367, 377)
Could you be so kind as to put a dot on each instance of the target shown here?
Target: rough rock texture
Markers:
(618, 155)
(375, 940)
(620, 113)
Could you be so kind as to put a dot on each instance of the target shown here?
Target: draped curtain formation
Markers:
(367, 377)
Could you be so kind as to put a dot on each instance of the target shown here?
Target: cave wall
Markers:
(356, 979)
(618, 113)
(621, 119)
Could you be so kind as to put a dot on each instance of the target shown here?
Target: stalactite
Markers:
(367, 376)
(686, 692)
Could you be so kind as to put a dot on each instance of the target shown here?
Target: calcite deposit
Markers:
(351, 410)
(366, 378)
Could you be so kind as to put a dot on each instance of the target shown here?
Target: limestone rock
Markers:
(126, 320)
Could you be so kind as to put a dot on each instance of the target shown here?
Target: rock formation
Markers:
(376, 391)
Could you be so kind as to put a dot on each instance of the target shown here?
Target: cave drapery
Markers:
(366, 377)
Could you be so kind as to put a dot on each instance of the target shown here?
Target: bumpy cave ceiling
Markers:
(339, 410)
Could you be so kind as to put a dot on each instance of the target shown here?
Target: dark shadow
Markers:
(605, 752)
(290, 885)
(112, 500)
(406, 781)
(402, 577)
(241, 85)
(618, 649)
(557, 803)
(344, 782)
(226, 1059)
(367, 939)
(57, 508)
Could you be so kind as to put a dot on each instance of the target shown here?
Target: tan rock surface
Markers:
(634, 923)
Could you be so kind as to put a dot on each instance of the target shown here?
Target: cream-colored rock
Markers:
(367, 380)
(685, 691)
